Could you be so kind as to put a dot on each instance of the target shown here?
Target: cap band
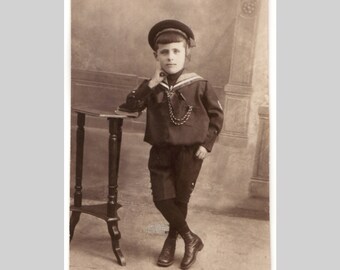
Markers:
(190, 40)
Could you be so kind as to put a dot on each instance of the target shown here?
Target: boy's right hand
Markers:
(157, 77)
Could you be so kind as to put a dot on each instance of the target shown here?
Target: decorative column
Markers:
(259, 184)
(239, 88)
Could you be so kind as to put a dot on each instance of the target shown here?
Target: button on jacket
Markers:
(201, 127)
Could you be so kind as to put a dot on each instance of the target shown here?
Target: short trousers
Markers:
(173, 171)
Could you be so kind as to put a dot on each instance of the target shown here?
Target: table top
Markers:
(98, 112)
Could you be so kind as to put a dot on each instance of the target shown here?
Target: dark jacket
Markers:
(201, 127)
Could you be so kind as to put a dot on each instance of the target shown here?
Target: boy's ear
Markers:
(188, 53)
(155, 55)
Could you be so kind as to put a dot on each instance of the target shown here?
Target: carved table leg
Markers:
(115, 128)
(79, 172)
(73, 222)
(115, 236)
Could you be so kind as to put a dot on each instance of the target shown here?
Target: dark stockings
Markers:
(183, 207)
(175, 213)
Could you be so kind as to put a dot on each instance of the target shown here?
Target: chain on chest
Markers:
(178, 121)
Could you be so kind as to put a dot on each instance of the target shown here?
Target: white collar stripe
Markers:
(165, 85)
(194, 77)
(187, 80)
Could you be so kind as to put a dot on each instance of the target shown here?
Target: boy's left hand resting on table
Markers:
(201, 153)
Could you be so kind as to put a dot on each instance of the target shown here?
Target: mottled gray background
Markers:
(307, 198)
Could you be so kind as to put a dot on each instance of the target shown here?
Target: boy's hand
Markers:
(201, 153)
(157, 77)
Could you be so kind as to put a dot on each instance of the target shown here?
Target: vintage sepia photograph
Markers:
(170, 135)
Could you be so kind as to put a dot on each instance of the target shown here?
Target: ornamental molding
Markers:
(249, 8)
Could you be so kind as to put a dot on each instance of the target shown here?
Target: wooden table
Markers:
(107, 211)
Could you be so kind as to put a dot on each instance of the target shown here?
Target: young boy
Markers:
(184, 118)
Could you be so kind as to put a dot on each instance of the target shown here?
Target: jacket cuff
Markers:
(135, 100)
(210, 140)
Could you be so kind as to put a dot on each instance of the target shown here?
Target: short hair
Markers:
(169, 37)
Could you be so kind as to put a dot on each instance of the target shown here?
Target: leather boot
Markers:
(193, 244)
(166, 257)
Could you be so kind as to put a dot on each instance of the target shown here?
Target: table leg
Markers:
(115, 236)
(79, 172)
(115, 128)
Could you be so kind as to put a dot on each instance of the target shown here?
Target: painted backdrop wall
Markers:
(111, 35)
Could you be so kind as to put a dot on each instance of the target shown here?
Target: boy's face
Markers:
(171, 56)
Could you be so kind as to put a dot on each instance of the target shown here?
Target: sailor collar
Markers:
(183, 80)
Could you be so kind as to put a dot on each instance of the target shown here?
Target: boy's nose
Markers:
(171, 56)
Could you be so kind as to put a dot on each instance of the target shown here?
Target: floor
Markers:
(231, 242)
